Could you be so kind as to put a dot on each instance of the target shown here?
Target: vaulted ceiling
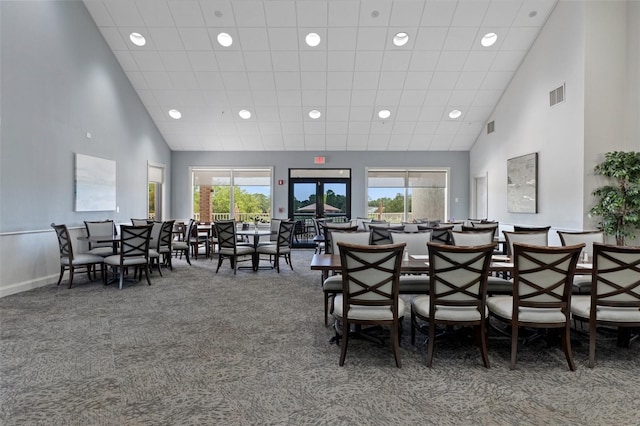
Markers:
(354, 72)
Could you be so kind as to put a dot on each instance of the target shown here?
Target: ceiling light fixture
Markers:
(456, 113)
(400, 39)
(384, 113)
(244, 114)
(225, 39)
(488, 39)
(175, 114)
(315, 114)
(312, 39)
(137, 39)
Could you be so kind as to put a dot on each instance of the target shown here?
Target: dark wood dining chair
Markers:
(228, 247)
(70, 261)
(134, 252)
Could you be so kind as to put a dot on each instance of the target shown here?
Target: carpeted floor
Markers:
(252, 349)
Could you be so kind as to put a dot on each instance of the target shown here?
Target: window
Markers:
(240, 194)
(407, 195)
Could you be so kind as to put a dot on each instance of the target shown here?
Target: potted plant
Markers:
(619, 203)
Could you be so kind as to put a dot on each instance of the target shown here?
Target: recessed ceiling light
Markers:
(312, 39)
(384, 113)
(175, 114)
(456, 113)
(400, 39)
(488, 39)
(137, 39)
(225, 39)
(315, 114)
(244, 114)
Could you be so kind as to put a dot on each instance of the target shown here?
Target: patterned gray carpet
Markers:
(252, 349)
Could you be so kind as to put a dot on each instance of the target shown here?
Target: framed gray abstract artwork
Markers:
(522, 184)
(95, 184)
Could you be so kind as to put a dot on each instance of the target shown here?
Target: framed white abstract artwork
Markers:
(95, 184)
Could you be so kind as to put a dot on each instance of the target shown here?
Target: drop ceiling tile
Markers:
(289, 98)
(371, 38)
(431, 113)
(359, 127)
(313, 61)
(126, 60)
(235, 80)
(343, 13)
(478, 114)
(125, 14)
(388, 97)
(195, 38)
(426, 127)
(148, 61)
(312, 13)
(341, 80)
(378, 142)
(471, 15)
(363, 97)
(285, 61)
(257, 61)
(249, 13)
(186, 13)
(444, 80)
(291, 114)
(253, 39)
(451, 61)
(402, 128)
(157, 80)
(424, 61)
(357, 140)
(209, 80)
(407, 13)
(383, 9)
(315, 127)
(412, 97)
(507, 60)
(390, 80)
(462, 98)
(471, 128)
(342, 39)
(240, 98)
(460, 38)
(396, 61)
(315, 141)
(496, 80)
(175, 60)
(431, 38)
(230, 61)
(448, 127)
(470, 80)
(265, 98)
(479, 61)
(232, 32)
(437, 98)
(314, 99)
(337, 127)
(542, 9)
(368, 60)
(501, 13)
(260, 80)
(407, 113)
(280, 13)
(114, 38)
(418, 80)
(183, 80)
(365, 80)
(202, 61)
(399, 142)
(487, 97)
(287, 80)
(166, 38)
(441, 142)
(292, 127)
(283, 39)
(154, 13)
(381, 127)
(340, 61)
(361, 113)
(438, 13)
(338, 97)
(147, 97)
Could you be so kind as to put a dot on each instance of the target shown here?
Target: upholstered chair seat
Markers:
(368, 313)
(502, 306)
(447, 313)
(581, 306)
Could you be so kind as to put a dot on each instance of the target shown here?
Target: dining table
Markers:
(254, 236)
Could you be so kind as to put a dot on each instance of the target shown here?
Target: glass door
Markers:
(317, 193)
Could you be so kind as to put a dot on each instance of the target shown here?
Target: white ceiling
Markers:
(354, 72)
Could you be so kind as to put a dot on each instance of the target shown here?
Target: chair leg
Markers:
(413, 327)
(592, 345)
(71, 269)
(121, 278)
(62, 268)
(482, 330)
(146, 273)
(514, 344)
(220, 259)
(432, 342)
(345, 341)
(395, 343)
(566, 346)
(326, 309)
(288, 257)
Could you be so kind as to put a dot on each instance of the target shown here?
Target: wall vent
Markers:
(491, 127)
(556, 96)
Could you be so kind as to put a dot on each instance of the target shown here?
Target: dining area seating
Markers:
(133, 254)
(230, 248)
(70, 261)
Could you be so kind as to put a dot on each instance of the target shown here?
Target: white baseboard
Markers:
(28, 285)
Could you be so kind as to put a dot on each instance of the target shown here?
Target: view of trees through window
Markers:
(330, 198)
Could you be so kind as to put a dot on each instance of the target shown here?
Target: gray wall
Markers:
(457, 162)
(59, 80)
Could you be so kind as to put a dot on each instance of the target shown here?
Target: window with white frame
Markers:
(240, 194)
(407, 195)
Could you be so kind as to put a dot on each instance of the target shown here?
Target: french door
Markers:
(317, 193)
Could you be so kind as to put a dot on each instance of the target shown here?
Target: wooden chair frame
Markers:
(67, 257)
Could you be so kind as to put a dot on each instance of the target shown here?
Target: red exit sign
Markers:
(318, 160)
